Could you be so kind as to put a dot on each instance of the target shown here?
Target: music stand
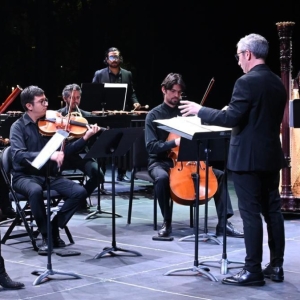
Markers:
(194, 132)
(44, 156)
(196, 268)
(224, 262)
(208, 150)
(98, 209)
(112, 143)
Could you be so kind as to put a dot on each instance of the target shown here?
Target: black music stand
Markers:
(44, 274)
(195, 156)
(98, 210)
(112, 143)
(205, 151)
(224, 262)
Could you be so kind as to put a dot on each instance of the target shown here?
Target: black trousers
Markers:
(258, 194)
(160, 173)
(89, 167)
(32, 188)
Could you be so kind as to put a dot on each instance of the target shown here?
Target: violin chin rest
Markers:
(163, 238)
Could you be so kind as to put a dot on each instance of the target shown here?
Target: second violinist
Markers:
(26, 143)
(159, 162)
(71, 95)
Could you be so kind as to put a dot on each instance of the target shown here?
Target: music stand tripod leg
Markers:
(99, 210)
(44, 274)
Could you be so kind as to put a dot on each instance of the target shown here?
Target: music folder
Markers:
(103, 96)
(52, 145)
(192, 129)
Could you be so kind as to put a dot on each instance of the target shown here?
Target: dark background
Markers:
(54, 43)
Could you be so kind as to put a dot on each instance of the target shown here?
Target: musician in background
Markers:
(113, 73)
(26, 143)
(255, 113)
(75, 161)
(160, 164)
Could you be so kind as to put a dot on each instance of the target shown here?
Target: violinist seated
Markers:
(160, 163)
(71, 95)
(26, 143)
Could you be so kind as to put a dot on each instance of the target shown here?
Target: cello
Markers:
(182, 179)
(182, 184)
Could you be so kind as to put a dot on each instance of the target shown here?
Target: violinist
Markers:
(159, 163)
(26, 143)
(71, 95)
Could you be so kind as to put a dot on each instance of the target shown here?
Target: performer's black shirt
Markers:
(155, 138)
(27, 142)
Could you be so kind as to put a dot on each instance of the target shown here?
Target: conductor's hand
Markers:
(58, 156)
(136, 105)
(92, 129)
(177, 141)
(189, 108)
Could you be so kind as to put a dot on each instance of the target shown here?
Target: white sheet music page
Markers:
(53, 144)
(190, 125)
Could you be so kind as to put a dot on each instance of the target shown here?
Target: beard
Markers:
(173, 101)
(114, 64)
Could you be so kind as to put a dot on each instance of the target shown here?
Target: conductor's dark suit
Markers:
(103, 76)
(255, 158)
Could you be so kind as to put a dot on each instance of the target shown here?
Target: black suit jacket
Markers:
(255, 114)
(102, 76)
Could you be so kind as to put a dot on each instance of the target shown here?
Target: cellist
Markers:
(159, 163)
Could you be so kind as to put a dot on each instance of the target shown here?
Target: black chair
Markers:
(140, 171)
(24, 215)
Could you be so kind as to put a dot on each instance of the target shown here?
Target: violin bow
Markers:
(68, 119)
(211, 83)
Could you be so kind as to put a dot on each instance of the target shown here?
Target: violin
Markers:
(75, 125)
(4, 141)
(182, 184)
(182, 175)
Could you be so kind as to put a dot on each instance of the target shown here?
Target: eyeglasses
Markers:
(114, 57)
(237, 55)
(42, 101)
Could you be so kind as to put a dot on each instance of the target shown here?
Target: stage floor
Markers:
(128, 276)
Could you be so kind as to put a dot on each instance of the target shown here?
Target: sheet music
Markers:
(118, 85)
(53, 144)
(190, 125)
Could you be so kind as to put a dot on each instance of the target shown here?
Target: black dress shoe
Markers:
(58, 242)
(230, 231)
(245, 278)
(165, 230)
(123, 177)
(7, 283)
(274, 273)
